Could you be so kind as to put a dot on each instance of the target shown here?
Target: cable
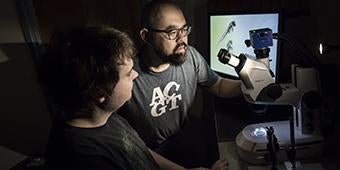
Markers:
(306, 56)
(309, 52)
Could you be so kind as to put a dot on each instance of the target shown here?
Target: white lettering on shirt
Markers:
(161, 100)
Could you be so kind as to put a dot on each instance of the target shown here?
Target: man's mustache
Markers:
(180, 45)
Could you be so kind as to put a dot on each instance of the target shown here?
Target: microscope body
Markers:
(258, 83)
(259, 87)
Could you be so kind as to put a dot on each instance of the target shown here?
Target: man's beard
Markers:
(173, 58)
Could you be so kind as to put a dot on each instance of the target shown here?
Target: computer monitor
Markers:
(230, 31)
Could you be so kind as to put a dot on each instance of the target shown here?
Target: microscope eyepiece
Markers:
(223, 56)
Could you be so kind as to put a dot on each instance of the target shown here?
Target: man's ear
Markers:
(144, 34)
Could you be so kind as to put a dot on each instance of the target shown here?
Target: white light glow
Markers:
(259, 132)
(321, 49)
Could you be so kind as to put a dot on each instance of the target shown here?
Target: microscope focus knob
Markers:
(312, 99)
(274, 91)
(270, 93)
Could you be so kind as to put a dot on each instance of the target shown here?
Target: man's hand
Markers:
(220, 164)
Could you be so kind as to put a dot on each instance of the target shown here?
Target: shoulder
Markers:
(194, 57)
(194, 54)
(121, 123)
(191, 51)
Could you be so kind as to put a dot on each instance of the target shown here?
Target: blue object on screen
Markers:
(229, 31)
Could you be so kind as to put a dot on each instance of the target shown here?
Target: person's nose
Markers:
(135, 74)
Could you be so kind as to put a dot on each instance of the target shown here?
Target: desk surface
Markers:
(228, 150)
(9, 158)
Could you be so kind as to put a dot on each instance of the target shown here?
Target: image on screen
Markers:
(231, 30)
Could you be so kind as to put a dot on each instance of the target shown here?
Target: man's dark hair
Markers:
(151, 11)
(81, 65)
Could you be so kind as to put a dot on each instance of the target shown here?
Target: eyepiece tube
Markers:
(223, 56)
(227, 58)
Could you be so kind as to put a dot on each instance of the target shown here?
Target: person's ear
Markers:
(144, 34)
(101, 99)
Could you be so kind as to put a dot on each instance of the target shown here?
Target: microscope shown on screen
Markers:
(299, 137)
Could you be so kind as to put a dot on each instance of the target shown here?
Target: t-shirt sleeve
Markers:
(206, 76)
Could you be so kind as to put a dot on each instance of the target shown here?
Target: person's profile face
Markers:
(122, 92)
(171, 50)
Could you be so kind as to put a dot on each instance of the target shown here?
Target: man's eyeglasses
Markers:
(174, 33)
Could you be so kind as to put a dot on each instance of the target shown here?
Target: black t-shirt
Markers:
(114, 145)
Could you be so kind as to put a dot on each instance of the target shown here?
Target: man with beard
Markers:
(88, 72)
(169, 72)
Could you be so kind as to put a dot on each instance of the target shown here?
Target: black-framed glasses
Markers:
(174, 33)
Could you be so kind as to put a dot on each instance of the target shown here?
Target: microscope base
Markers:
(252, 145)
(287, 166)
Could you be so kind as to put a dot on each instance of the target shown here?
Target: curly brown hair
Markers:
(81, 65)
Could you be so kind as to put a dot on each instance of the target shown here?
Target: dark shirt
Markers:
(114, 145)
(159, 106)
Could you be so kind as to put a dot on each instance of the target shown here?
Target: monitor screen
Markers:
(229, 31)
